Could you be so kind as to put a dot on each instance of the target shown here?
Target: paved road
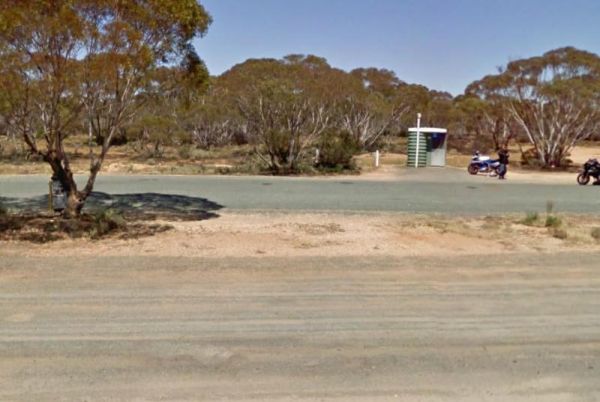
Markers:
(523, 328)
(443, 191)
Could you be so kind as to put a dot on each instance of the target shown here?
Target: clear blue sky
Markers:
(444, 44)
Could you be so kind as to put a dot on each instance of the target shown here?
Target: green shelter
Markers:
(427, 147)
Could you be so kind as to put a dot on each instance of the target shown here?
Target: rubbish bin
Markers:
(58, 197)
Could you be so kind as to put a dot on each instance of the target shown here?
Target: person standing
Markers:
(503, 157)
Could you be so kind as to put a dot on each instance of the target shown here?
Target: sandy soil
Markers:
(310, 307)
(332, 235)
(580, 155)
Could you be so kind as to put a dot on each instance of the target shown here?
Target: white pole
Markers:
(418, 139)
(377, 158)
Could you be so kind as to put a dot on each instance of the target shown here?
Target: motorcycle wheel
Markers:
(583, 179)
(473, 169)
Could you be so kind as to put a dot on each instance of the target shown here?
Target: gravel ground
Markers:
(519, 328)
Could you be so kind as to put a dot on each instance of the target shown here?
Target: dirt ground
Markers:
(334, 235)
(311, 307)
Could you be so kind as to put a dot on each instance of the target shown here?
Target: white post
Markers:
(418, 139)
(317, 155)
(377, 158)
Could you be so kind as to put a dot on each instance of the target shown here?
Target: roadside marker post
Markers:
(418, 139)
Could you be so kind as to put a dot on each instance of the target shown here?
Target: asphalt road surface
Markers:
(434, 191)
(517, 328)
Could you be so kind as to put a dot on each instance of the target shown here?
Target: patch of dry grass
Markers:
(572, 229)
(44, 228)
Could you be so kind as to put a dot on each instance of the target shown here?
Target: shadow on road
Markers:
(147, 206)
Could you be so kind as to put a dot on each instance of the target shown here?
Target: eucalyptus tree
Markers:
(165, 102)
(63, 59)
(283, 104)
(368, 118)
(485, 121)
(554, 99)
(210, 122)
(374, 110)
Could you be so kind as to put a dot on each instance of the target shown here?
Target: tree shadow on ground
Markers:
(147, 206)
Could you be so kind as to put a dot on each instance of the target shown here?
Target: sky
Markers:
(443, 44)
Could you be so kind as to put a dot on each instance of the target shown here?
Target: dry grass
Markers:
(45, 227)
(571, 229)
(319, 230)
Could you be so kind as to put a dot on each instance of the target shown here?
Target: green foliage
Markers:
(483, 124)
(90, 64)
(553, 221)
(3, 210)
(531, 219)
(283, 121)
(105, 222)
(336, 151)
(553, 99)
(286, 106)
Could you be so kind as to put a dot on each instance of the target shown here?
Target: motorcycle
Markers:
(483, 164)
(590, 169)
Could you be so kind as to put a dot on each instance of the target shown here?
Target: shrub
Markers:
(184, 152)
(336, 151)
(3, 210)
(596, 233)
(105, 222)
(119, 139)
(530, 219)
(553, 221)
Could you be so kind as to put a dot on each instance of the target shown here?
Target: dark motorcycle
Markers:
(483, 164)
(590, 169)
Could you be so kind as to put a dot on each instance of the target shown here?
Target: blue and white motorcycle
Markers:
(483, 164)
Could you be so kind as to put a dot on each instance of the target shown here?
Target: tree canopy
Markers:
(61, 59)
(554, 99)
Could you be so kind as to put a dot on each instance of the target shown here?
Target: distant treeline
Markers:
(288, 107)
